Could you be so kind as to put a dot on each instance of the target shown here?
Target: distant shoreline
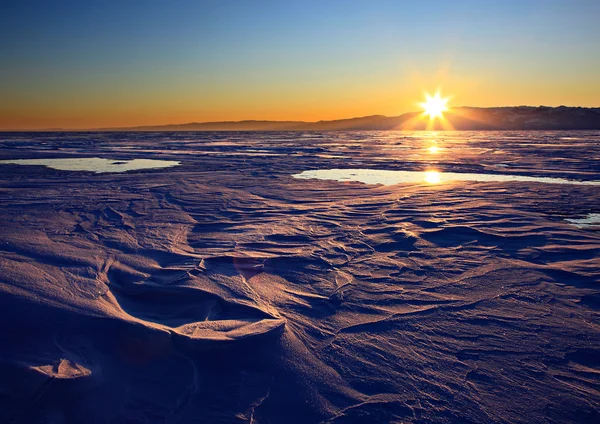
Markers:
(281, 131)
(517, 118)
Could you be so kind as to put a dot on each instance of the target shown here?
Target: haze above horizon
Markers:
(109, 64)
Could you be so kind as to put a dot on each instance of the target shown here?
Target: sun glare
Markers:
(435, 106)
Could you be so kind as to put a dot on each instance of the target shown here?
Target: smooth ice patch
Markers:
(592, 220)
(375, 176)
(97, 165)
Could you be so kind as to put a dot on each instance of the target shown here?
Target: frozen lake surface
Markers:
(97, 165)
(251, 278)
(378, 176)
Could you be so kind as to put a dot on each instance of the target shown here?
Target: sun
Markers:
(435, 106)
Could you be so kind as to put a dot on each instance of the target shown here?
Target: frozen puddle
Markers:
(374, 176)
(97, 165)
(592, 220)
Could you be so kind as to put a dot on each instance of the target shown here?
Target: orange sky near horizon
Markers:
(112, 109)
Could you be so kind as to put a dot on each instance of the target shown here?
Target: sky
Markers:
(91, 64)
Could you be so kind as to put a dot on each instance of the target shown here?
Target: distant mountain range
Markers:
(460, 118)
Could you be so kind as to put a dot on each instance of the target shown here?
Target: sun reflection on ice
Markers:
(432, 177)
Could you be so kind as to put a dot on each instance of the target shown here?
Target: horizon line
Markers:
(133, 128)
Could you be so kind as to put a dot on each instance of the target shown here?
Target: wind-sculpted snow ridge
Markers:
(224, 290)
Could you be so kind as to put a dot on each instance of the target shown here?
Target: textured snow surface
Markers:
(224, 290)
